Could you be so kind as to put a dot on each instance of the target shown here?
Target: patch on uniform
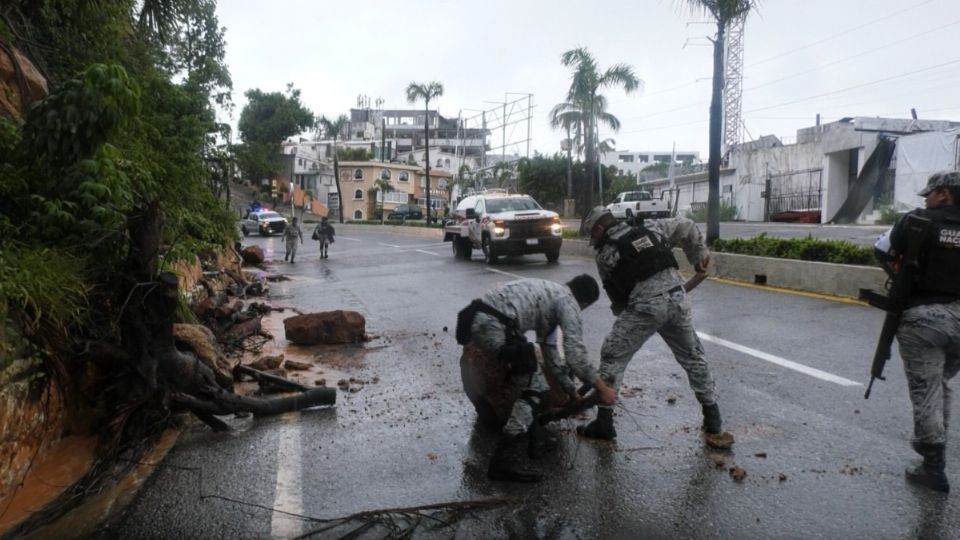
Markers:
(950, 237)
(642, 243)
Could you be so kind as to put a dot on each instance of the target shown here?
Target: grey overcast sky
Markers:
(802, 57)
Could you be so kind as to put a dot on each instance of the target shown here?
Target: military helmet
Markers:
(594, 217)
(939, 180)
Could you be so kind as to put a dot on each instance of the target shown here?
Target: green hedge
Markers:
(805, 249)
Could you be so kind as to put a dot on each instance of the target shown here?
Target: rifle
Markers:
(915, 228)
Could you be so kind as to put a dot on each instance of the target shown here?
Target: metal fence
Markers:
(794, 191)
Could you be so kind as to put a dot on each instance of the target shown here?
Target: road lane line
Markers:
(288, 495)
(348, 238)
(504, 273)
(389, 245)
(427, 252)
(782, 362)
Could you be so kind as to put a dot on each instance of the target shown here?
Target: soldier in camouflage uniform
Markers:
(639, 274)
(929, 331)
(292, 235)
(540, 306)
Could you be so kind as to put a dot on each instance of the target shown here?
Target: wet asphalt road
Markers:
(821, 462)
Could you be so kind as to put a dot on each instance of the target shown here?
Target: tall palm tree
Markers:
(384, 186)
(723, 13)
(425, 91)
(334, 128)
(584, 96)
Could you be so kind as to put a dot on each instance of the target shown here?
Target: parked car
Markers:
(406, 211)
(631, 204)
(500, 224)
(266, 223)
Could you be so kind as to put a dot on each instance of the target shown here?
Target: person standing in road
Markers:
(639, 273)
(497, 322)
(324, 234)
(292, 234)
(929, 330)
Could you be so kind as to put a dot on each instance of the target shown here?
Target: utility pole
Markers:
(383, 138)
(503, 143)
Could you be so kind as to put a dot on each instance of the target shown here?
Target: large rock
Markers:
(201, 341)
(339, 326)
(20, 83)
(252, 255)
(488, 387)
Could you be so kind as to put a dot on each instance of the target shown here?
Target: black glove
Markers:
(518, 356)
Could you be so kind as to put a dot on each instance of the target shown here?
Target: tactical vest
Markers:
(940, 257)
(642, 254)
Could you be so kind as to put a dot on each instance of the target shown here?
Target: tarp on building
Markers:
(919, 156)
(866, 185)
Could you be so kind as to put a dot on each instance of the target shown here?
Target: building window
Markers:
(626, 158)
(385, 174)
(358, 195)
(446, 162)
(404, 176)
(358, 214)
(358, 174)
(439, 163)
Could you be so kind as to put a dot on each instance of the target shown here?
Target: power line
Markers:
(854, 87)
(840, 34)
(858, 55)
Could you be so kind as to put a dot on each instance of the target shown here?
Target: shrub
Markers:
(888, 216)
(728, 212)
(805, 249)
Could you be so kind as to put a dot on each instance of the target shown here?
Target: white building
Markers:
(632, 163)
(841, 172)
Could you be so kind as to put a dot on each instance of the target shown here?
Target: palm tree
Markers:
(426, 92)
(584, 97)
(723, 13)
(334, 128)
(384, 186)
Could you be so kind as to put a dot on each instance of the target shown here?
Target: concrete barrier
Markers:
(844, 280)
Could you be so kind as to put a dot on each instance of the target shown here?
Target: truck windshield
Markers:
(495, 206)
(265, 215)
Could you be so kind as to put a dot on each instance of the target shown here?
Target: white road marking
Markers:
(504, 273)
(427, 252)
(783, 362)
(348, 238)
(389, 245)
(288, 495)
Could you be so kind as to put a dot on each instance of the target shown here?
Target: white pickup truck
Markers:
(630, 204)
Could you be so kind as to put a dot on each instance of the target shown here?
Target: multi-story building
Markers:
(405, 129)
(632, 163)
(361, 195)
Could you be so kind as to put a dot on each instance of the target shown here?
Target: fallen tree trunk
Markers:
(221, 403)
(262, 377)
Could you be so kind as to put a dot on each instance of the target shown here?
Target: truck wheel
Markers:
(628, 215)
(489, 255)
(553, 255)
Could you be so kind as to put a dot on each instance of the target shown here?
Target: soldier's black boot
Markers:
(601, 427)
(506, 465)
(712, 423)
(929, 473)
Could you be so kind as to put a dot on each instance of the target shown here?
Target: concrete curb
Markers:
(845, 280)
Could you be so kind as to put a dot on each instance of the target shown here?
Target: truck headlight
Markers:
(498, 228)
(556, 228)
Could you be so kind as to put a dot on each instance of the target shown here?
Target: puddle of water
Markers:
(61, 466)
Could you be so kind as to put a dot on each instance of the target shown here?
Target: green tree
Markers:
(354, 154)
(334, 129)
(543, 178)
(383, 186)
(265, 122)
(426, 92)
(722, 12)
(584, 98)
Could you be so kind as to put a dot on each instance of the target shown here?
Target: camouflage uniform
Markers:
(657, 304)
(293, 236)
(540, 306)
(929, 340)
